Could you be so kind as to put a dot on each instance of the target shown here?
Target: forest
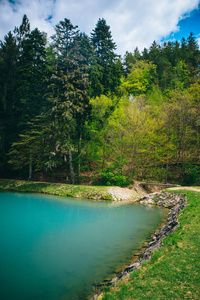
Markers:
(72, 110)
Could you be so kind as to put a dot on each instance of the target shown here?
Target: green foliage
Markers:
(195, 93)
(67, 96)
(103, 43)
(191, 174)
(107, 68)
(140, 78)
(130, 59)
(155, 97)
(180, 75)
(140, 114)
(109, 178)
(31, 81)
(28, 150)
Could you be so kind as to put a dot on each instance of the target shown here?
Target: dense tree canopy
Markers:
(73, 110)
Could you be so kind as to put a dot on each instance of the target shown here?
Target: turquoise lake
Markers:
(56, 248)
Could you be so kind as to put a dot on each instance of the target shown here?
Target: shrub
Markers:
(110, 178)
(191, 174)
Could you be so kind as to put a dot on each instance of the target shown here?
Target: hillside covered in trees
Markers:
(72, 110)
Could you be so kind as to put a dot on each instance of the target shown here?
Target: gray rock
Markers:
(114, 280)
(134, 266)
(94, 297)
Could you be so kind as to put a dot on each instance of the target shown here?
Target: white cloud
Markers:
(198, 41)
(146, 21)
(132, 22)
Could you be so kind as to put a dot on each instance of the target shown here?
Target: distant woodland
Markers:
(72, 110)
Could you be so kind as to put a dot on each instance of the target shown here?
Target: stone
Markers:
(114, 280)
(134, 266)
(94, 297)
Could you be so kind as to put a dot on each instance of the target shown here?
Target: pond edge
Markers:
(176, 203)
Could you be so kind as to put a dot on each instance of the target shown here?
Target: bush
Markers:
(191, 174)
(110, 178)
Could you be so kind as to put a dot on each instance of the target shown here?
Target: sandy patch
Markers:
(127, 194)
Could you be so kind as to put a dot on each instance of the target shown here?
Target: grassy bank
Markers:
(174, 270)
(77, 191)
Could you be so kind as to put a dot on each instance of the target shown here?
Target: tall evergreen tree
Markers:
(108, 64)
(193, 55)
(23, 30)
(8, 70)
(31, 76)
(177, 52)
(67, 92)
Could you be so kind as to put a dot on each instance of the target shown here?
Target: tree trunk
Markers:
(79, 152)
(72, 174)
(71, 168)
(30, 168)
(166, 171)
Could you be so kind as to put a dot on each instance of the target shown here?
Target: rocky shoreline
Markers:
(176, 203)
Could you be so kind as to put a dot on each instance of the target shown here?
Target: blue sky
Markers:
(133, 23)
(190, 23)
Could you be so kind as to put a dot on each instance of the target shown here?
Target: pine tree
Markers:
(8, 70)
(107, 61)
(193, 54)
(27, 152)
(67, 92)
(31, 77)
(23, 30)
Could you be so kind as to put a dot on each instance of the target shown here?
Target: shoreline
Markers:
(176, 203)
(121, 273)
(112, 193)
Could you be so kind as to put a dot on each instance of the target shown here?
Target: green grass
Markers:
(173, 272)
(77, 191)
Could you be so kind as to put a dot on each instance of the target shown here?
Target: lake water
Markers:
(54, 248)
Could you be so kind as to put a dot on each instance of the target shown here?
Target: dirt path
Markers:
(190, 188)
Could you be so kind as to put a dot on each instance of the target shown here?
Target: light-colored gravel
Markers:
(125, 194)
